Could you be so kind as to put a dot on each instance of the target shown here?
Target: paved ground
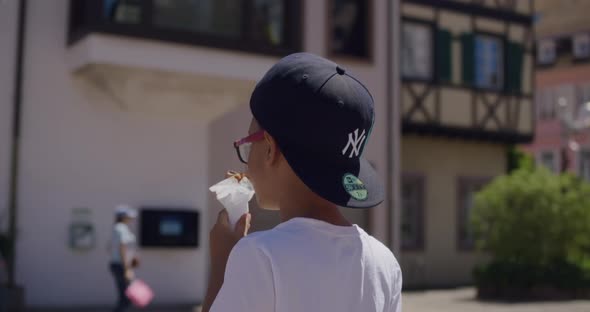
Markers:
(462, 300)
(455, 300)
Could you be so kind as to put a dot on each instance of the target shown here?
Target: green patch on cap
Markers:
(354, 186)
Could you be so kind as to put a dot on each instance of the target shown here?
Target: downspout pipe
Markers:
(16, 140)
(393, 127)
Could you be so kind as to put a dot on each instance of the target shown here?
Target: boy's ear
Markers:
(273, 151)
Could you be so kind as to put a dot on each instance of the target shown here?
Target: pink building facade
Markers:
(562, 87)
(554, 146)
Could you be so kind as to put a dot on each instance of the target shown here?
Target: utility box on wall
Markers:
(167, 228)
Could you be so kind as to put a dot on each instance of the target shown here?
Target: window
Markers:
(492, 63)
(584, 164)
(265, 26)
(412, 212)
(268, 22)
(489, 62)
(548, 160)
(123, 11)
(224, 18)
(583, 100)
(581, 46)
(567, 94)
(546, 52)
(349, 28)
(417, 50)
(467, 188)
(574, 97)
(213, 17)
(546, 107)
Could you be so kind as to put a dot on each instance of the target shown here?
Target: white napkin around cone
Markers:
(234, 195)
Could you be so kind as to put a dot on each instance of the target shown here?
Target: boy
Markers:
(311, 121)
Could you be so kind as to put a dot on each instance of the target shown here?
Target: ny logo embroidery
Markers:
(355, 142)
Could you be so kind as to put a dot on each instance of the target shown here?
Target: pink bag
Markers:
(139, 293)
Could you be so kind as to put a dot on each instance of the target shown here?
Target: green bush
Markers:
(536, 226)
(517, 158)
(510, 274)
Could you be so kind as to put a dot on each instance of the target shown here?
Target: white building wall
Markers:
(80, 151)
(96, 154)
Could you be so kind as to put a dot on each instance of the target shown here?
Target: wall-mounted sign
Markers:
(82, 235)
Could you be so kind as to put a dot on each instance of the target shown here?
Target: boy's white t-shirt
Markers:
(310, 265)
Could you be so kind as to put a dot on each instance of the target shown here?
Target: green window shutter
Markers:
(513, 70)
(468, 57)
(443, 55)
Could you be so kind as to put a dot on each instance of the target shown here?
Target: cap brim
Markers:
(325, 178)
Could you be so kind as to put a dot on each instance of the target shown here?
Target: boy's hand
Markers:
(223, 238)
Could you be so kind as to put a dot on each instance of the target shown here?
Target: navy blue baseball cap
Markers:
(321, 118)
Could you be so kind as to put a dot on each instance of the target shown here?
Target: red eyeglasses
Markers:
(243, 146)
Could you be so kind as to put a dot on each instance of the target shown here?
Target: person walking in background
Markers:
(123, 257)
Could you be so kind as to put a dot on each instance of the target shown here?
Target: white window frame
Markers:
(569, 93)
(580, 164)
(418, 182)
(546, 104)
(556, 159)
(582, 97)
(417, 53)
(482, 63)
(581, 46)
(546, 51)
(467, 187)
